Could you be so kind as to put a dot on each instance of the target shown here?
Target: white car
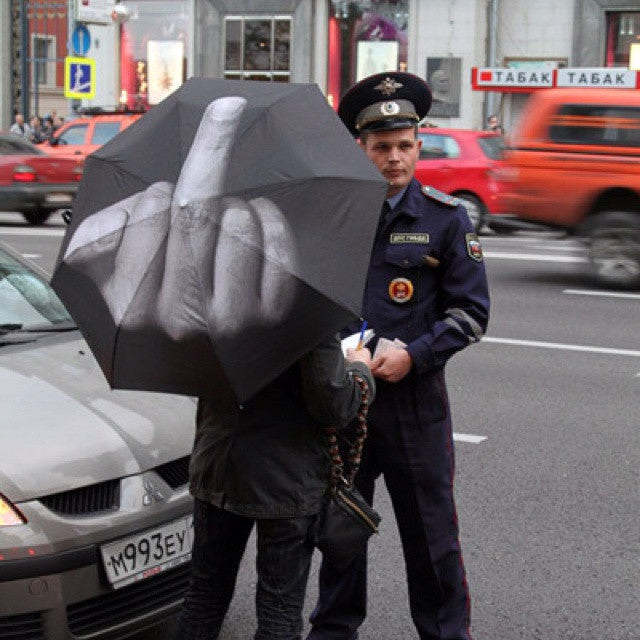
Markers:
(95, 514)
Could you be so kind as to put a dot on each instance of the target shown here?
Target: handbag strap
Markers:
(338, 474)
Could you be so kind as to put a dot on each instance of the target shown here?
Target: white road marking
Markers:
(32, 232)
(32, 255)
(557, 247)
(533, 256)
(609, 294)
(468, 437)
(564, 347)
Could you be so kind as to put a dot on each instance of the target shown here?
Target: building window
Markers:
(365, 37)
(44, 59)
(623, 30)
(257, 48)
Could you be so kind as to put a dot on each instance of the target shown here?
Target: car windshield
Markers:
(492, 146)
(27, 302)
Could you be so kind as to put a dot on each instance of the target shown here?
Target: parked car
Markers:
(95, 515)
(462, 163)
(32, 182)
(573, 163)
(82, 136)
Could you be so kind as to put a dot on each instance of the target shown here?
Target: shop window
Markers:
(365, 37)
(257, 48)
(154, 44)
(602, 125)
(44, 59)
(623, 30)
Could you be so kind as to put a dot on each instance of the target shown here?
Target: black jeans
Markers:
(283, 561)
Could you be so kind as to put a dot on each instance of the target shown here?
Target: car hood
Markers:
(61, 427)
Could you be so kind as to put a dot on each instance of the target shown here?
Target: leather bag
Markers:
(346, 521)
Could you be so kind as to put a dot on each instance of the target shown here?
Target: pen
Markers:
(361, 340)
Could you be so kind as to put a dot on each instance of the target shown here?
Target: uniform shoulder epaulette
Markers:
(439, 196)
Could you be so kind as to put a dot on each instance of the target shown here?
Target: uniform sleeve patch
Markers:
(474, 248)
(439, 196)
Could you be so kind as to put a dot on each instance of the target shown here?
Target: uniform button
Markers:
(405, 262)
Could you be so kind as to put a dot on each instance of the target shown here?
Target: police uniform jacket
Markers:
(426, 283)
(268, 458)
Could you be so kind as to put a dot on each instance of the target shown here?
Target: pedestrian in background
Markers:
(36, 136)
(265, 462)
(493, 125)
(19, 127)
(426, 287)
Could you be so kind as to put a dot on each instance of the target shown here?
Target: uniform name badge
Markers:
(401, 290)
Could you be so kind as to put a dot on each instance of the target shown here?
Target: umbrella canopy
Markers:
(219, 238)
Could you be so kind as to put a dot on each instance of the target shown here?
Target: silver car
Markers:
(95, 515)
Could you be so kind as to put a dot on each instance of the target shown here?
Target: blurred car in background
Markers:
(32, 182)
(463, 163)
(574, 162)
(95, 514)
(82, 136)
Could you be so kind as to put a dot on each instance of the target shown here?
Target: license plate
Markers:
(58, 197)
(148, 553)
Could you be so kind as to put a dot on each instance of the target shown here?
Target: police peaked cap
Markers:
(384, 101)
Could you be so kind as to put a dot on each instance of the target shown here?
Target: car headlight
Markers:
(9, 515)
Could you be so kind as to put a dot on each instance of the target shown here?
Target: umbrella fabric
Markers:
(219, 238)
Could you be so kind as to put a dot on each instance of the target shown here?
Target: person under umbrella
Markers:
(259, 454)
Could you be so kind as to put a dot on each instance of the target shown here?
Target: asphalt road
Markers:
(548, 494)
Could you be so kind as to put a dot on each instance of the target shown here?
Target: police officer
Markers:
(427, 287)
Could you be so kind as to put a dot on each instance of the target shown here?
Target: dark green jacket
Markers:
(268, 458)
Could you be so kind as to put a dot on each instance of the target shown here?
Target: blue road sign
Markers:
(81, 40)
(79, 78)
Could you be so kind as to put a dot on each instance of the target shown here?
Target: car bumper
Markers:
(55, 586)
(29, 197)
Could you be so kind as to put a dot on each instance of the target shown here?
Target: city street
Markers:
(546, 412)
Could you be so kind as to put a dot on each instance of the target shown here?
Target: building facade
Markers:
(147, 48)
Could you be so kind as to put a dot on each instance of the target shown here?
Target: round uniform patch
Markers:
(401, 290)
(390, 108)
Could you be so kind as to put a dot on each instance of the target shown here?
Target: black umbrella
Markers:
(219, 238)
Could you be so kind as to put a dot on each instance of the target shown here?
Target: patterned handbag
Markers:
(346, 521)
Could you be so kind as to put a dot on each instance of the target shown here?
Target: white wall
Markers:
(456, 28)
(105, 49)
(529, 29)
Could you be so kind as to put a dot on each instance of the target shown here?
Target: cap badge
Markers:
(390, 108)
(388, 86)
(401, 290)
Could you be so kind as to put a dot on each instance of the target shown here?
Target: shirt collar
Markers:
(393, 200)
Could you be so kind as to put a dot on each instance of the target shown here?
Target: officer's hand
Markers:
(392, 366)
(359, 355)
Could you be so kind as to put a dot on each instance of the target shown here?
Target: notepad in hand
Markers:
(351, 342)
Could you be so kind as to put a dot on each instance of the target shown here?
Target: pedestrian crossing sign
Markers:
(79, 78)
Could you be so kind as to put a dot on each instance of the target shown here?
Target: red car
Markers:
(463, 163)
(32, 182)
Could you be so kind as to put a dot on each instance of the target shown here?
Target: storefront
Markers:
(163, 42)
(364, 37)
